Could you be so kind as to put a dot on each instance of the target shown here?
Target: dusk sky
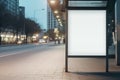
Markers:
(36, 10)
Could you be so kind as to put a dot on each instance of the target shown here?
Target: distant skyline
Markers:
(36, 10)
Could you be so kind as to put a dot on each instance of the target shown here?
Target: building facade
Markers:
(22, 19)
(12, 32)
(12, 6)
(22, 11)
(51, 19)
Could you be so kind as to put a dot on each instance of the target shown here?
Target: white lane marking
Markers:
(5, 54)
(11, 53)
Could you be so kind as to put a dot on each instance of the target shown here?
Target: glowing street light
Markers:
(2, 35)
(57, 16)
(52, 1)
(61, 24)
(37, 35)
(56, 12)
(59, 20)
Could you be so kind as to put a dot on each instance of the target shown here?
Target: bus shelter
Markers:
(87, 29)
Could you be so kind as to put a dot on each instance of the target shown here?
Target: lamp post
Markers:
(0, 36)
(36, 13)
(52, 1)
(56, 8)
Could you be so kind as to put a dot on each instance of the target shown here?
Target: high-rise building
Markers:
(13, 32)
(55, 8)
(22, 11)
(22, 18)
(51, 19)
(12, 6)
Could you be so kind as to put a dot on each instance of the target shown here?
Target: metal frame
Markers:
(107, 54)
(88, 0)
(86, 8)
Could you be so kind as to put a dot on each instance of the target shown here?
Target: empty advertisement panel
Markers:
(86, 32)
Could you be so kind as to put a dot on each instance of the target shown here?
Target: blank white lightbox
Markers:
(86, 32)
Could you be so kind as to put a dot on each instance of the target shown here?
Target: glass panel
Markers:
(87, 3)
(87, 65)
(87, 32)
(114, 50)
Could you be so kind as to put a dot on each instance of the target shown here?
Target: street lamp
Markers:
(59, 20)
(52, 1)
(38, 15)
(37, 11)
(56, 12)
(57, 16)
(61, 24)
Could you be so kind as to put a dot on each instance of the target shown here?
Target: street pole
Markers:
(24, 30)
(37, 12)
(0, 36)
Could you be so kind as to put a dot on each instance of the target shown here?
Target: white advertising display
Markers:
(86, 32)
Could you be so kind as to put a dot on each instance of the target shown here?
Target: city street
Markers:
(32, 62)
(59, 40)
(47, 62)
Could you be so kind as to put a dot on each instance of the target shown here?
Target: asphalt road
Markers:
(11, 50)
(31, 62)
(47, 62)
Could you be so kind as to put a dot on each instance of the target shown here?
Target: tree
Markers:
(2, 11)
(51, 33)
(16, 23)
(31, 27)
(8, 20)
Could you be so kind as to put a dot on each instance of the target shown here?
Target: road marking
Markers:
(11, 53)
(5, 54)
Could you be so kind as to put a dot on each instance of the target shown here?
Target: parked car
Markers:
(19, 42)
(42, 41)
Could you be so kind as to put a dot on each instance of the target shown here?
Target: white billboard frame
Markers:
(98, 19)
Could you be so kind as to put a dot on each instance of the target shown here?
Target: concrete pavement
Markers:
(48, 63)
